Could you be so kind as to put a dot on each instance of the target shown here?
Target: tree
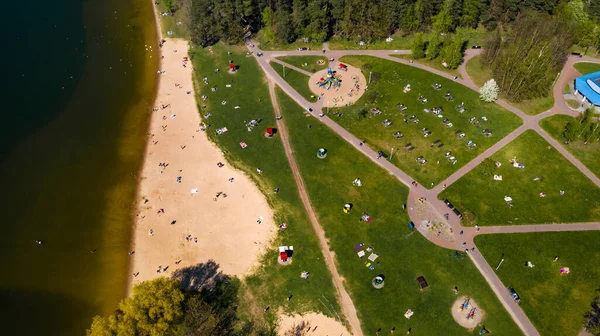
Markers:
(283, 27)
(154, 309)
(592, 319)
(530, 56)
(442, 22)
(452, 52)
(489, 91)
(267, 19)
(202, 26)
(434, 47)
(470, 14)
(418, 47)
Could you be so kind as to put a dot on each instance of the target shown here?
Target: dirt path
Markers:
(348, 308)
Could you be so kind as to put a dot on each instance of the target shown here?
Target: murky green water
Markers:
(74, 122)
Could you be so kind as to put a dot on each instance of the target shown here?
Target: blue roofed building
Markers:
(588, 86)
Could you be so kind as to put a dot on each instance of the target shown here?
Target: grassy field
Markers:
(481, 74)
(585, 68)
(404, 42)
(297, 80)
(403, 255)
(479, 194)
(567, 89)
(270, 284)
(394, 76)
(308, 63)
(588, 154)
(573, 103)
(173, 23)
(556, 304)
(435, 63)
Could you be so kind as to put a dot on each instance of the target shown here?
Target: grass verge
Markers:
(394, 77)
(555, 303)
(173, 24)
(585, 68)
(403, 254)
(308, 63)
(434, 63)
(588, 154)
(270, 284)
(297, 80)
(546, 171)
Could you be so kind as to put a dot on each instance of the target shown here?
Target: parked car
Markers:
(448, 204)
(514, 295)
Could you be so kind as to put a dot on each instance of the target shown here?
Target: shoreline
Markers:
(178, 222)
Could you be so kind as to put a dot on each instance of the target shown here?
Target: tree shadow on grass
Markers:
(203, 276)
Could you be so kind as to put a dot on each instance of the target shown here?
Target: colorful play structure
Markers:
(329, 80)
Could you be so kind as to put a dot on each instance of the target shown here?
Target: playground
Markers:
(433, 125)
(339, 85)
(467, 312)
(555, 302)
(526, 182)
(387, 244)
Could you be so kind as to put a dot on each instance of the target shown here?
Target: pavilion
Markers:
(588, 86)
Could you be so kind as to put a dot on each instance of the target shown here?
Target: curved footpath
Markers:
(529, 122)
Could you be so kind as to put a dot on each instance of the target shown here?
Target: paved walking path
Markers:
(346, 304)
(461, 234)
(295, 68)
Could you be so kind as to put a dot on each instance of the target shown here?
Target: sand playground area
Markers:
(310, 324)
(191, 206)
(466, 312)
(340, 85)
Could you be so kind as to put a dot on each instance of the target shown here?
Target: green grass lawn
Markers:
(174, 23)
(585, 68)
(404, 42)
(270, 284)
(308, 63)
(394, 76)
(481, 74)
(567, 89)
(573, 103)
(588, 154)
(403, 255)
(479, 194)
(555, 304)
(297, 80)
(435, 63)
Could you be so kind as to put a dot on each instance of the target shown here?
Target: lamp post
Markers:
(501, 261)
(392, 154)
(283, 70)
(370, 76)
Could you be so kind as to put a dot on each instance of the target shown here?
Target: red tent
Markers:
(270, 131)
(283, 256)
(232, 66)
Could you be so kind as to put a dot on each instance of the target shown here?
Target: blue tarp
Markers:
(589, 87)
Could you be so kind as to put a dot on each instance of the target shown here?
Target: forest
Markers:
(230, 21)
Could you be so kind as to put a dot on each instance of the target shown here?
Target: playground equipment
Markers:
(329, 80)
(343, 67)
(378, 281)
(322, 153)
(465, 304)
(471, 313)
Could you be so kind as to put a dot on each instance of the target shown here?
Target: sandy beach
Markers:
(188, 209)
(310, 324)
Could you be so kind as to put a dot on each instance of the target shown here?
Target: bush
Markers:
(372, 96)
(375, 77)
(361, 113)
(367, 67)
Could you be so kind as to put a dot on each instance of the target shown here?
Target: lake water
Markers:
(79, 84)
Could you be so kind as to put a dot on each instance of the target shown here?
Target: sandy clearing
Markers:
(353, 85)
(226, 228)
(460, 315)
(319, 324)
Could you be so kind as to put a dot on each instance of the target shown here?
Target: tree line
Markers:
(197, 301)
(318, 20)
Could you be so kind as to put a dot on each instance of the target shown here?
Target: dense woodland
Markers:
(287, 20)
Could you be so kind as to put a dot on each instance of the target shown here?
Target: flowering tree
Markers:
(489, 91)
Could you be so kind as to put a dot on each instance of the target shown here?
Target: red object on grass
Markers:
(283, 256)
